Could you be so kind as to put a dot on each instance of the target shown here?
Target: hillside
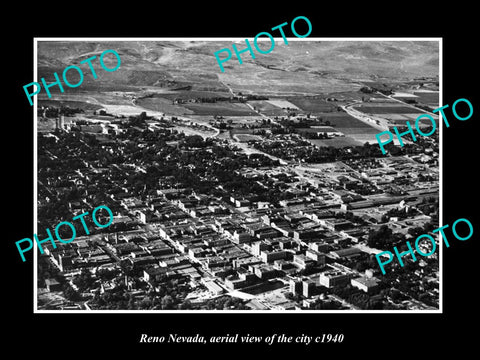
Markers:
(300, 67)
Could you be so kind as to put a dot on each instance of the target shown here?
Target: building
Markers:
(302, 261)
(260, 246)
(269, 256)
(266, 272)
(337, 224)
(154, 273)
(320, 247)
(346, 253)
(213, 287)
(240, 237)
(53, 285)
(308, 287)
(317, 256)
(334, 278)
(367, 284)
(234, 283)
(295, 286)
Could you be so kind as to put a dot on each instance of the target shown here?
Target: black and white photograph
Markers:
(260, 188)
(214, 180)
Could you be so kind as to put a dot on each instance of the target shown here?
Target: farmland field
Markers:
(428, 97)
(342, 120)
(267, 108)
(388, 109)
(319, 129)
(72, 104)
(400, 122)
(282, 103)
(193, 94)
(313, 105)
(351, 131)
(247, 137)
(163, 105)
(237, 131)
(221, 108)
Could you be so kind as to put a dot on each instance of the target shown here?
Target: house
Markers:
(53, 285)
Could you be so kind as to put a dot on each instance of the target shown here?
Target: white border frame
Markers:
(246, 312)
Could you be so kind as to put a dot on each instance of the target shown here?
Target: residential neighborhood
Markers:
(210, 222)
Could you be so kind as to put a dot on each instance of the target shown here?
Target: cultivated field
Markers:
(282, 103)
(312, 105)
(246, 137)
(341, 120)
(430, 98)
(388, 109)
(319, 129)
(267, 108)
(72, 104)
(221, 108)
(163, 105)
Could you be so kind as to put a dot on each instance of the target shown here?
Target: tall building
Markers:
(295, 286)
(59, 123)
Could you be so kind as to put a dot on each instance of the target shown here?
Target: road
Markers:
(367, 119)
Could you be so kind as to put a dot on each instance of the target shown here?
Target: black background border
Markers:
(377, 334)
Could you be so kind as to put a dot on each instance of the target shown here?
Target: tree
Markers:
(84, 281)
(185, 305)
(379, 238)
(167, 302)
(70, 294)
